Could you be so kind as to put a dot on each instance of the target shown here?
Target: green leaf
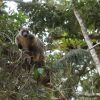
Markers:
(40, 70)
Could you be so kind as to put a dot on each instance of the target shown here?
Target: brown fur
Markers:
(31, 45)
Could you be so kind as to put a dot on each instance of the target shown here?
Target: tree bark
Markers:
(88, 94)
(86, 37)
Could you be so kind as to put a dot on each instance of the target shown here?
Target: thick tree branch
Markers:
(91, 36)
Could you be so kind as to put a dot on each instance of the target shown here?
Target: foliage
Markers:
(67, 55)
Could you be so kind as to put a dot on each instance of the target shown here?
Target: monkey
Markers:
(34, 48)
(31, 45)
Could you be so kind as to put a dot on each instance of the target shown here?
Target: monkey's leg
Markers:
(35, 59)
(41, 61)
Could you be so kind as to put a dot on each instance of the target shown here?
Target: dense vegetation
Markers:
(73, 71)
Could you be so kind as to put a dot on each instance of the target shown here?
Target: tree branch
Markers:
(14, 0)
(94, 46)
(88, 94)
(86, 37)
(20, 1)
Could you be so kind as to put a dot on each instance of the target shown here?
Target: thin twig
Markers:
(94, 46)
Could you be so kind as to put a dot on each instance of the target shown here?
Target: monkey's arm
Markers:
(17, 41)
(19, 46)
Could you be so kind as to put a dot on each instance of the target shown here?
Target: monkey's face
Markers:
(24, 33)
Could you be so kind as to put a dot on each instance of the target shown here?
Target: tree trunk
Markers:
(86, 37)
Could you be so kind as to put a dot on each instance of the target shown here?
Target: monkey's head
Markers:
(24, 32)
